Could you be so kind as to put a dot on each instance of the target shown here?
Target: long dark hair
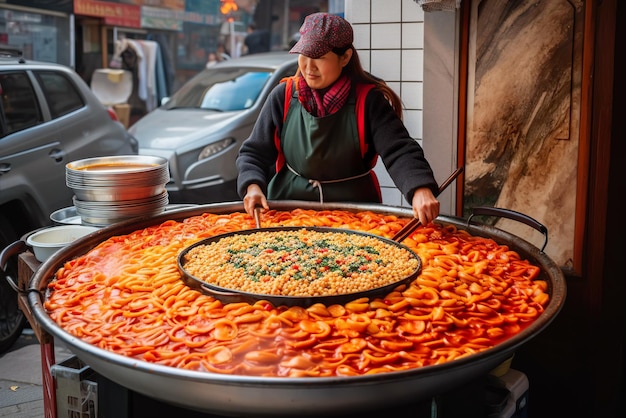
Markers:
(355, 71)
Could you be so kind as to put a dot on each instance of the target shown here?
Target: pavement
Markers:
(21, 387)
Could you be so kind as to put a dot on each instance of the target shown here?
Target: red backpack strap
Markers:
(361, 94)
(288, 94)
(280, 160)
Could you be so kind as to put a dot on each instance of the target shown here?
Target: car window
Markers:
(226, 89)
(61, 94)
(20, 109)
(237, 94)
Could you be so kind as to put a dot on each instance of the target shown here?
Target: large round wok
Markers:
(262, 396)
(228, 295)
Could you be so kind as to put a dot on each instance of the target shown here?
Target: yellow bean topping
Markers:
(300, 262)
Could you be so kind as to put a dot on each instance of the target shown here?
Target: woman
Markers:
(339, 119)
(212, 59)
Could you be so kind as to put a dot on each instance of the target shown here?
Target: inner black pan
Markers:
(227, 295)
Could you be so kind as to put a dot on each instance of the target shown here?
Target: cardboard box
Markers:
(122, 111)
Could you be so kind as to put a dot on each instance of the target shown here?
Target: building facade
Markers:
(88, 35)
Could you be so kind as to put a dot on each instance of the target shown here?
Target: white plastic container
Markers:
(48, 241)
(112, 86)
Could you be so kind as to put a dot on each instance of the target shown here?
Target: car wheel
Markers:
(12, 319)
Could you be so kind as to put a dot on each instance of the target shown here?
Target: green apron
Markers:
(323, 159)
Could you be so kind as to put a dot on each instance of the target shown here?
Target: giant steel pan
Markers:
(277, 396)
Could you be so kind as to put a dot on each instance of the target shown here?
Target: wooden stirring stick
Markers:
(414, 223)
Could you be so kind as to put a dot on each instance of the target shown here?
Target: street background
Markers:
(21, 388)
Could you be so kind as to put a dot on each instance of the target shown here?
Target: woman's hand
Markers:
(254, 197)
(425, 205)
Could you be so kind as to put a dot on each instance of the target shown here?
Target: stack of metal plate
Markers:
(117, 188)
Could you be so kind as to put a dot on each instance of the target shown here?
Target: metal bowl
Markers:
(119, 193)
(107, 213)
(66, 216)
(116, 166)
(70, 216)
(281, 396)
(117, 178)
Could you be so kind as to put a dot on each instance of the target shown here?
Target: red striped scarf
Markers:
(324, 102)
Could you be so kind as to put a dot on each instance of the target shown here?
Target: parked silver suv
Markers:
(201, 128)
(48, 117)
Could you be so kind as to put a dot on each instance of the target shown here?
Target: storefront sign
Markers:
(203, 11)
(155, 18)
(64, 6)
(114, 14)
(164, 4)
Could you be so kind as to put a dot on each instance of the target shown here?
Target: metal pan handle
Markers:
(9, 251)
(510, 214)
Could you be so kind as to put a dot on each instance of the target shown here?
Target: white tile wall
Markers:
(412, 65)
(361, 36)
(357, 11)
(391, 196)
(386, 64)
(412, 94)
(386, 36)
(389, 36)
(413, 122)
(386, 11)
(411, 12)
(395, 86)
(413, 35)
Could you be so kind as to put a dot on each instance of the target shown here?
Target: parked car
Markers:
(201, 127)
(48, 117)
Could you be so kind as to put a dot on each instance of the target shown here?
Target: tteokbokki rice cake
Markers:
(126, 296)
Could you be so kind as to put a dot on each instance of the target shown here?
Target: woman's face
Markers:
(321, 72)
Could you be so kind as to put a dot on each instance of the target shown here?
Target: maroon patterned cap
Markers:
(321, 33)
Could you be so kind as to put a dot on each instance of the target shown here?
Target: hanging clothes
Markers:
(150, 58)
(165, 84)
(146, 53)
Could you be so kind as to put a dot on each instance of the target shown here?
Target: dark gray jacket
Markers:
(402, 155)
